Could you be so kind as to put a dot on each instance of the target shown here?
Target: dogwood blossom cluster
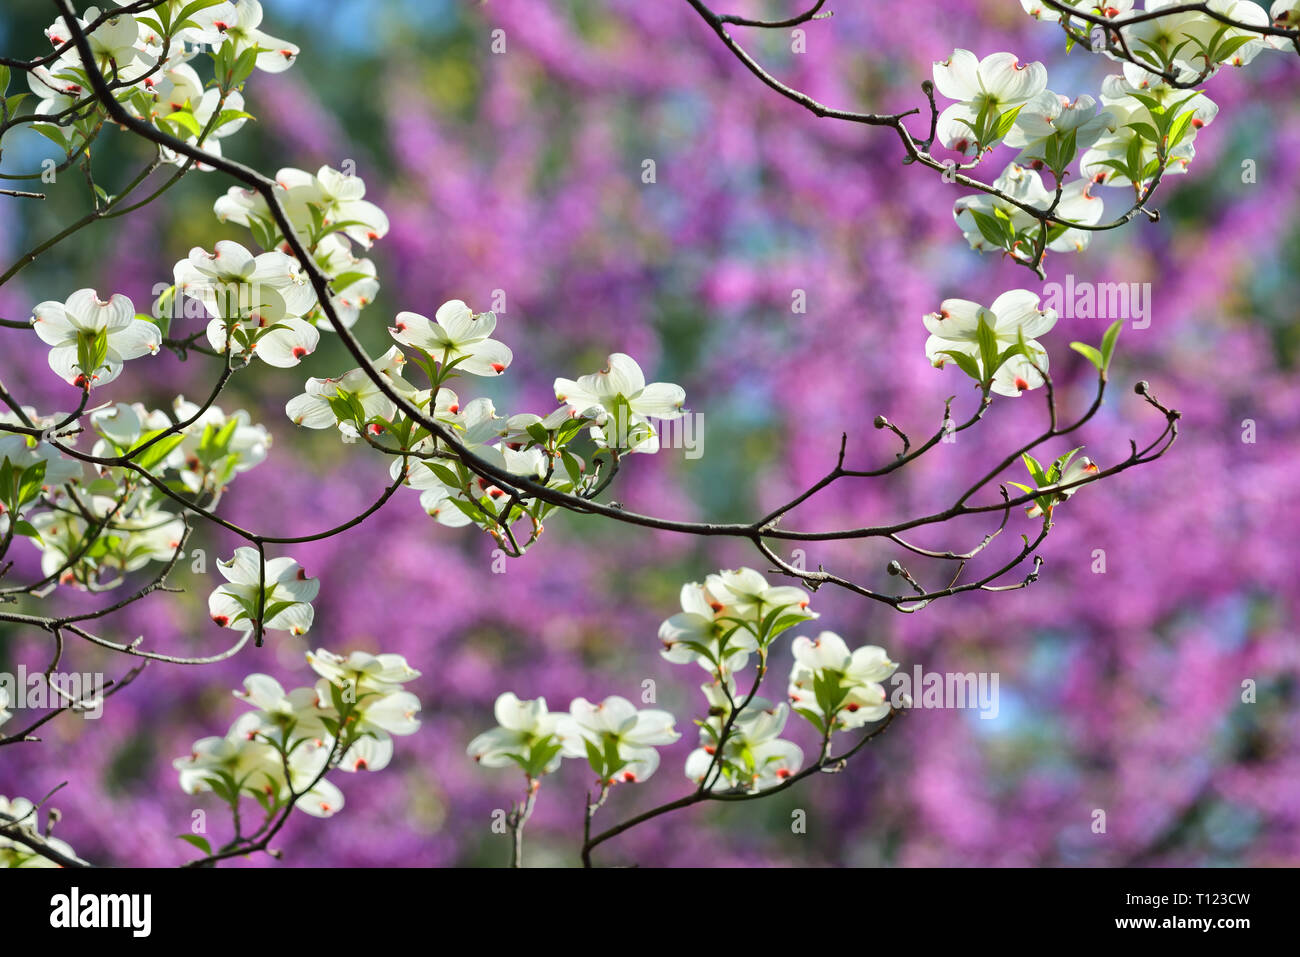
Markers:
(1189, 44)
(333, 221)
(96, 525)
(147, 57)
(280, 753)
(615, 406)
(21, 814)
(1142, 126)
(617, 740)
(256, 303)
(733, 616)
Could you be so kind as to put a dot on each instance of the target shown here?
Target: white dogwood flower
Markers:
(339, 198)
(986, 90)
(88, 331)
(829, 680)
(115, 46)
(255, 301)
(216, 447)
(180, 90)
(278, 710)
(1013, 316)
(140, 532)
(1063, 472)
(241, 754)
(207, 23)
(1102, 8)
(362, 671)
(754, 756)
(455, 336)
(23, 452)
(1050, 115)
(981, 216)
(353, 281)
(274, 55)
(621, 403)
(1129, 97)
(697, 633)
(313, 409)
(748, 592)
(285, 601)
(527, 734)
(616, 738)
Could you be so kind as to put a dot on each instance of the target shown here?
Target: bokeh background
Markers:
(521, 171)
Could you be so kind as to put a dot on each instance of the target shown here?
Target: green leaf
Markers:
(474, 512)
(1091, 354)
(613, 761)
(992, 229)
(92, 350)
(345, 279)
(813, 718)
(1058, 467)
(273, 609)
(155, 453)
(29, 482)
(571, 466)
(964, 362)
(242, 68)
(988, 343)
(1178, 130)
(230, 116)
(1152, 103)
(827, 688)
(1146, 131)
(52, 133)
(445, 474)
(1003, 125)
(1108, 342)
(1035, 469)
(198, 841)
(595, 758)
(184, 120)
